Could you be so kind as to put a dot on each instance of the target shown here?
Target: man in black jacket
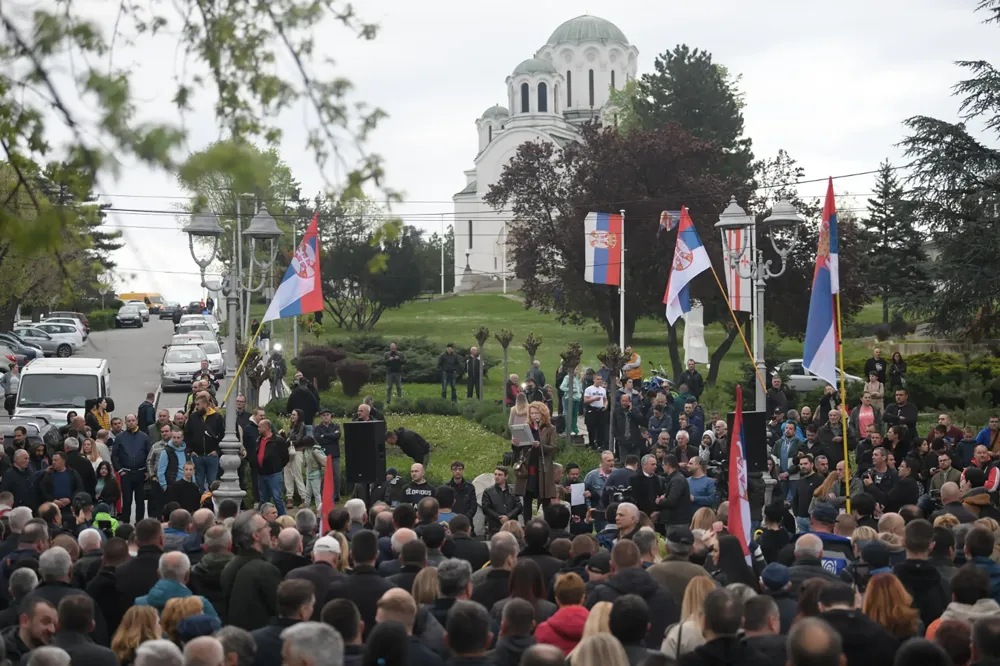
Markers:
(59, 485)
(327, 435)
(19, 481)
(627, 423)
(473, 366)
(628, 577)
(80, 465)
(465, 492)
(645, 486)
(203, 433)
(500, 504)
(693, 379)
(475, 552)
(270, 460)
(902, 413)
(38, 631)
(903, 491)
(675, 504)
(137, 576)
(450, 365)
(393, 373)
(365, 586)
(304, 397)
(322, 573)
(295, 600)
(921, 578)
(410, 443)
(76, 617)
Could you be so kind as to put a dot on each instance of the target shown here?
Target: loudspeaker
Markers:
(364, 448)
(755, 432)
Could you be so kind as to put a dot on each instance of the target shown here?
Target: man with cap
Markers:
(775, 582)
(838, 552)
(598, 569)
(322, 573)
(675, 571)
(327, 435)
(877, 556)
(389, 491)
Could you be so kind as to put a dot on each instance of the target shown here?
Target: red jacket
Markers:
(564, 629)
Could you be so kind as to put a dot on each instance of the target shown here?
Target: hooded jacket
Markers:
(564, 629)
(206, 579)
(203, 433)
(993, 569)
(865, 643)
(164, 590)
(923, 581)
(977, 502)
(509, 650)
(970, 613)
(663, 611)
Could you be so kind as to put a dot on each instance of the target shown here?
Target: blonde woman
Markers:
(140, 624)
(286, 521)
(344, 561)
(514, 528)
(90, 452)
(177, 610)
(519, 412)
(598, 623)
(600, 650)
(860, 536)
(426, 587)
(703, 519)
(685, 636)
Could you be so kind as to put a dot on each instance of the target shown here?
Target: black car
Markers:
(167, 310)
(128, 315)
(194, 307)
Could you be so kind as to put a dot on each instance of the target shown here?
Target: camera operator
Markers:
(879, 479)
(905, 489)
(616, 488)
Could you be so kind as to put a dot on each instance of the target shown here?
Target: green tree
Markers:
(896, 262)
(956, 187)
(688, 88)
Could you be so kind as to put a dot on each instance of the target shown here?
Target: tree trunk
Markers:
(569, 406)
(675, 356)
(506, 374)
(8, 315)
(885, 309)
(719, 354)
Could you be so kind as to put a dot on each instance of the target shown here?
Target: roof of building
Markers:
(534, 66)
(469, 189)
(587, 28)
(495, 111)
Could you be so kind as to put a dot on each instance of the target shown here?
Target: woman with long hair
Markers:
(344, 561)
(387, 645)
(686, 636)
(175, 611)
(703, 519)
(833, 491)
(426, 586)
(98, 417)
(294, 470)
(534, 471)
(108, 490)
(598, 622)
(519, 412)
(731, 565)
(526, 583)
(599, 650)
(89, 451)
(888, 604)
(897, 372)
(140, 624)
(514, 528)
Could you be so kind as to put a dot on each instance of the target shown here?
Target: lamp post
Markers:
(206, 225)
(734, 218)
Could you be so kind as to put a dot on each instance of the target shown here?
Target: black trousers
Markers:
(529, 497)
(597, 428)
(473, 385)
(132, 483)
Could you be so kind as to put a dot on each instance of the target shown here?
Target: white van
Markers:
(52, 387)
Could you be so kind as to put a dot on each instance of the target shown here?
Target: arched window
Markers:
(591, 88)
(543, 98)
(612, 78)
(491, 134)
(569, 88)
(470, 234)
(525, 98)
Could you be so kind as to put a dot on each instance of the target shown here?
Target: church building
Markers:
(565, 84)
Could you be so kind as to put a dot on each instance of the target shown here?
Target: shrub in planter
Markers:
(332, 354)
(353, 376)
(420, 356)
(318, 368)
(882, 332)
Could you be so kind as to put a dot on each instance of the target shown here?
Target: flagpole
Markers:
(232, 382)
(843, 407)
(621, 290)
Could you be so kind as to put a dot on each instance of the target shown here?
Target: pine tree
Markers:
(897, 266)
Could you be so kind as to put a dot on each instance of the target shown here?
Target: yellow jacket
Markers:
(633, 368)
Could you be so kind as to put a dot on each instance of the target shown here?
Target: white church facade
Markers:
(565, 84)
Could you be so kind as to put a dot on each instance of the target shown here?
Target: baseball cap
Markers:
(681, 535)
(775, 576)
(391, 471)
(876, 554)
(600, 563)
(324, 410)
(825, 513)
(327, 544)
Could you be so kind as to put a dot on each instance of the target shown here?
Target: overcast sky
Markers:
(829, 83)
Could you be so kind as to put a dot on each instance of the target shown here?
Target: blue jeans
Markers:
(206, 471)
(788, 487)
(270, 491)
(448, 379)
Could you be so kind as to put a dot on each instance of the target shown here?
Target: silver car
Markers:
(802, 381)
(142, 308)
(50, 346)
(216, 361)
(67, 333)
(179, 366)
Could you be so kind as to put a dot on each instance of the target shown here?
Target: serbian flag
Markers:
(820, 353)
(668, 220)
(301, 290)
(329, 494)
(603, 236)
(739, 501)
(690, 259)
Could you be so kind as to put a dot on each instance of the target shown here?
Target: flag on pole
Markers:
(739, 500)
(668, 220)
(329, 494)
(301, 290)
(690, 259)
(603, 233)
(740, 288)
(820, 353)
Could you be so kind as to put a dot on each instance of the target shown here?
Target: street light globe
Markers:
(263, 226)
(783, 214)
(277, 346)
(204, 224)
(734, 218)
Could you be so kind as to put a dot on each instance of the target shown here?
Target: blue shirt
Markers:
(703, 490)
(62, 484)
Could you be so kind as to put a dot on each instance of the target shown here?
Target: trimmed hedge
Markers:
(420, 356)
(101, 320)
(928, 375)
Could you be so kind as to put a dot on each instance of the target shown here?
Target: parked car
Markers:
(50, 388)
(803, 381)
(128, 315)
(200, 331)
(40, 431)
(168, 309)
(82, 318)
(179, 365)
(216, 360)
(63, 332)
(194, 307)
(50, 346)
(31, 352)
(142, 308)
(183, 339)
(209, 320)
(75, 323)
(8, 358)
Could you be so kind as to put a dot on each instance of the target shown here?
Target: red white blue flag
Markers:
(668, 220)
(301, 290)
(822, 342)
(739, 500)
(603, 235)
(690, 259)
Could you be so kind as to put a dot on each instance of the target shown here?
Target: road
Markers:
(134, 355)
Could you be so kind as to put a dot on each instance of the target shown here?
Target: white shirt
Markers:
(600, 392)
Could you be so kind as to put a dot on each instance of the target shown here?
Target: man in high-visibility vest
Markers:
(633, 368)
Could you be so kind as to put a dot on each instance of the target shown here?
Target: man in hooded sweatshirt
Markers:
(920, 577)
(970, 599)
(628, 577)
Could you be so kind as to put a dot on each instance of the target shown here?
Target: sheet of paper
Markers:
(576, 497)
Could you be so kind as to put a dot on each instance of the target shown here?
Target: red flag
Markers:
(739, 503)
(328, 494)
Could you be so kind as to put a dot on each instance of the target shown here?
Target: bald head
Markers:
(891, 523)
(204, 651)
(401, 537)
(949, 493)
(203, 519)
(542, 655)
(290, 541)
(808, 545)
(813, 642)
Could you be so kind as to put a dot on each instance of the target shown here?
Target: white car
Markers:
(142, 307)
(63, 332)
(216, 360)
(196, 319)
(69, 320)
(803, 381)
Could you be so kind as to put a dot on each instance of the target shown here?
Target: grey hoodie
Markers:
(980, 609)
